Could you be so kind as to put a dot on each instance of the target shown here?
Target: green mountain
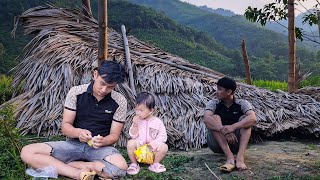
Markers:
(220, 11)
(229, 31)
(144, 23)
(158, 29)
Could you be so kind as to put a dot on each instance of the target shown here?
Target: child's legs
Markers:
(160, 152)
(132, 145)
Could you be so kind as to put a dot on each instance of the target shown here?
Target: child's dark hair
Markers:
(147, 99)
(227, 83)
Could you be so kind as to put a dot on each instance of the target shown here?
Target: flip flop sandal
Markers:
(227, 167)
(157, 168)
(133, 169)
(87, 175)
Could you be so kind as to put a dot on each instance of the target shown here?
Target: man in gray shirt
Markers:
(229, 121)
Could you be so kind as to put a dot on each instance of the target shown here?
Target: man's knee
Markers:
(215, 117)
(117, 160)
(28, 151)
(115, 166)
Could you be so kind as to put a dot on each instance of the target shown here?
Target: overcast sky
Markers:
(239, 6)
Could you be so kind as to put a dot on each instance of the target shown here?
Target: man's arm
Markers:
(248, 121)
(69, 130)
(211, 122)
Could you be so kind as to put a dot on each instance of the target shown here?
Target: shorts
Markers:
(74, 150)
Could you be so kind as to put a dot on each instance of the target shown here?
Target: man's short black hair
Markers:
(111, 71)
(227, 83)
(147, 99)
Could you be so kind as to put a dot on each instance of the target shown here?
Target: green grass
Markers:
(174, 165)
(271, 85)
(312, 147)
(313, 81)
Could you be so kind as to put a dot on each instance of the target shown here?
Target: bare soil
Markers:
(272, 159)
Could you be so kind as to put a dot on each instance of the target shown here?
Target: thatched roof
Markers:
(64, 48)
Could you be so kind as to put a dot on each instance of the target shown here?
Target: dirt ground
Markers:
(271, 159)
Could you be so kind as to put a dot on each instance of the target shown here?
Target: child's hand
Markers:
(135, 121)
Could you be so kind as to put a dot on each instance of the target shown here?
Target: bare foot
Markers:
(240, 163)
(230, 161)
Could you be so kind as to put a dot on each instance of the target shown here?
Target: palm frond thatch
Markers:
(65, 47)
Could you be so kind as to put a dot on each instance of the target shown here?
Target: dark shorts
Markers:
(74, 150)
(215, 147)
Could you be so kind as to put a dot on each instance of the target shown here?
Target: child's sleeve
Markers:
(162, 136)
(133, 136)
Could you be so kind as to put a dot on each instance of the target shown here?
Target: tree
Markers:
(278, 11)
(283, 9)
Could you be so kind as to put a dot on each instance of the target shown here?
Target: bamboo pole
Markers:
(292, 48)
(86, 7)
(128, 60)
(103, 31)
(318, 15)
(246, 62)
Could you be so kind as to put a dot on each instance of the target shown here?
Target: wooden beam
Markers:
(246, 62)
(128, 60)
(103, 31)
(86, 7)
(216, 77)
(292, 86)
(318, 15)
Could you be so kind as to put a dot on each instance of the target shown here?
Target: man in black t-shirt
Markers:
(229, 121)
(93, 117)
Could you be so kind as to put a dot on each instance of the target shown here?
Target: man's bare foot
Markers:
(230, 161)
(240, 163)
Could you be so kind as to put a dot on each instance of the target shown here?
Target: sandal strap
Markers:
(158, 165)
(133, 166)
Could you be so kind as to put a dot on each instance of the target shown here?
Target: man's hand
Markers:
(84, 135)
(97, 141)
(227, 129)
(231, 138)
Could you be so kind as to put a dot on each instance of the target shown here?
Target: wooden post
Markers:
(246, 62)
(103, 31)
(86, 7)
(128, 60)
(292, 86)
(318, 15)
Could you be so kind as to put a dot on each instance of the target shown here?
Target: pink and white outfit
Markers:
(151, 130)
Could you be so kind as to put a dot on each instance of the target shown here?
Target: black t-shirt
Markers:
(232, 114)
(92, 115)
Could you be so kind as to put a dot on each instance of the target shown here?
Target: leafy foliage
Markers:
(5, 90)
(277, 11)
(10, 146)
(271, 85)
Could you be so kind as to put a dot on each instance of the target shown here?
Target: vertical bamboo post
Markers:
(128, 60)
(246, 62)
(318, 15)
(86, 7)
(292, 86)
(103, 31)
